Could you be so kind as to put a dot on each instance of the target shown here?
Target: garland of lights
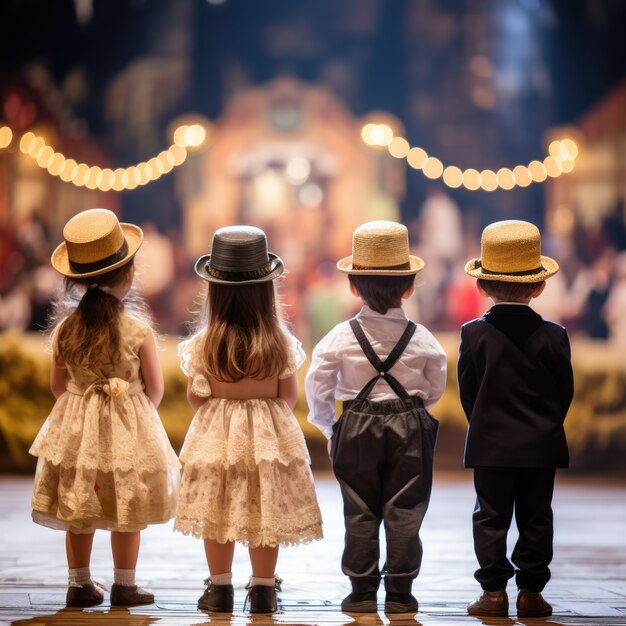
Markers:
(186, 137)
(560, 160)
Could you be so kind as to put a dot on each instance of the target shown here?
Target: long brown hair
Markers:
(245, 333)
(87, 318)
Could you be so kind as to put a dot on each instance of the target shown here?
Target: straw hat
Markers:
(511, 252)
(95, 243)
(381, 249)
(239, 256)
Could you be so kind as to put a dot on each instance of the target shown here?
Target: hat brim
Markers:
(416, 265)
(276, 264)
(61, 263)
(549, 267)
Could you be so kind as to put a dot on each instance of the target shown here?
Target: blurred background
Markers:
(307, 118)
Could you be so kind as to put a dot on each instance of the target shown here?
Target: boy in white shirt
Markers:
(387, 370)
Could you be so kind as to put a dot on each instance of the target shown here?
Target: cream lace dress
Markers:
(246, 474)
(104, 458)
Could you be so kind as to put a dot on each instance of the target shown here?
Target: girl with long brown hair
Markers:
(246, 474)
(105, 461)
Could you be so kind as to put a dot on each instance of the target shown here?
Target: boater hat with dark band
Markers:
(511, 252)
(239, 256)
(381, 248)
(95, 243)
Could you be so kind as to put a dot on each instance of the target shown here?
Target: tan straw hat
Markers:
(511, 252)
(381, 249)
(95, 243)
(239, 256)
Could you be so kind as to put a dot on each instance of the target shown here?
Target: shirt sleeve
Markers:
(296, 356)
(191, 364)
(320, 383)
(435, 372)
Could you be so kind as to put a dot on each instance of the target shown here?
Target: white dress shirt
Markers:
(339, 369)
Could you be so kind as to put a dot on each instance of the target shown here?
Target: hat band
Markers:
(84, 268)
(541, 268)
(262, 272)
(402, 266)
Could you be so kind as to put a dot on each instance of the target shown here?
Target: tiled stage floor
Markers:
(588, 585)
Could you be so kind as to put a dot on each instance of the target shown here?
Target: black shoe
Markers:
(124, 595)
(360, 602)
(83, 595)
(262, 599)
(400, 603)
(218, 598)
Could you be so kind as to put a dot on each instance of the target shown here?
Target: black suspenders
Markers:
(383, 367)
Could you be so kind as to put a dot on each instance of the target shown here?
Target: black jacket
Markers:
(516, 385)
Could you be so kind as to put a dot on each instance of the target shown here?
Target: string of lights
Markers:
(561, 159)
(186, 137)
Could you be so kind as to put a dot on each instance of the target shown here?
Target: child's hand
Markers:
(329, 447)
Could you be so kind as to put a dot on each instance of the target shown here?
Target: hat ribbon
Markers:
(402, 266)
(238, 276)
(84, 268)
(541, 268)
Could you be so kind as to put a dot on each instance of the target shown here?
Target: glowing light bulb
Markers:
(488, 180)
(537, 171)
(399, 147)
(471, 179)
(432, 168)
(522, 175)
(506, 178)
(6, 136)
(416, 158)
(453, 176)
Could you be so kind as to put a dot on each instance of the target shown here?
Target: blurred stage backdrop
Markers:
(308, 118)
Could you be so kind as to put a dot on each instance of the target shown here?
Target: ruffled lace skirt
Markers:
(106, 463)
(246, 476)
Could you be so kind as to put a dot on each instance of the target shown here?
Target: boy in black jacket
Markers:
(516, 385)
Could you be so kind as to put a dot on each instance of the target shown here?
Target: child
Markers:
(104, 458)
(246, 474)
(386, 370)
(516, 385)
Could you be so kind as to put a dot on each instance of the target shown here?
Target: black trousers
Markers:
(382, 455)
(499, 492)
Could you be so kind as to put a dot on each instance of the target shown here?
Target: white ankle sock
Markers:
(79, 576)
(125, 577)
(263, 582)
(222, 579)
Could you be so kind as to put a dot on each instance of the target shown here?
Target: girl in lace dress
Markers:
(104, 458)
(246, 474)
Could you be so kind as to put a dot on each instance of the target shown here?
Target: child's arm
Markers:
(288, 390)
(321, 382)
(58, 376)
(151, 372)
(564, 373)
(466, 376)
(194, 401)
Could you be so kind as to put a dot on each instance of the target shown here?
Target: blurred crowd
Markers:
(588, 295)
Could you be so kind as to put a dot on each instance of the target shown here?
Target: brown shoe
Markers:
(531, 604)
(83, 595)
(491, 604)
(123, 595)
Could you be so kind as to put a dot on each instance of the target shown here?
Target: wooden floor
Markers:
(588, 583)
